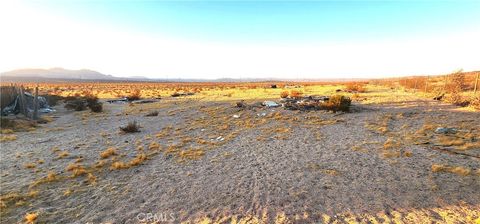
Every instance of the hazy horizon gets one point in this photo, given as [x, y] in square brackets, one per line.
[238, 40]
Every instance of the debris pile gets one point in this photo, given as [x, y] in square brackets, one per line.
[443, 130]
[314, 102]
[14, 106]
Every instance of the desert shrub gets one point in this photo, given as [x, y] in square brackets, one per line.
[475, 102]
[152, 114]
[337, 103]
[284, 94]
[136, 95]
[457, 82]
[76, 104]
[355, 87]
[296, 94]
[16, 124]
[52, 100]
[93, 104]
[6, 123]
[97, 108]
[91, 99]
[131, 127]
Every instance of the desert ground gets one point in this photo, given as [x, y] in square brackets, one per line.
[202, 159]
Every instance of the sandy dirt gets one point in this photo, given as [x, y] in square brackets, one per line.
[280, 166]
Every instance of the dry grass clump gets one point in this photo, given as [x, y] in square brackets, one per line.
[192, 154]
[284, 94]
[31, 217]
[108, 152]
[63, 154]
[469, 145]
[51, 176]
[152, 114]
[475, 102]
[6, 138]
[8, 125]
[131, 127]
[390, 144]
[450, 141]
[138, 160]
[92, 179]
[6, 131]
[450, 169]
[118, 165]
[76, 169]
[355, 87]
[337, 103]
[296, 94]
[30, 165]
[154, 146]
[391, 154]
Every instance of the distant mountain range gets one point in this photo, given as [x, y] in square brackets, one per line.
[86, 75]
[60, 73]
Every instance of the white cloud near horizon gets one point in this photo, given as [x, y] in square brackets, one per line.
[32, 38]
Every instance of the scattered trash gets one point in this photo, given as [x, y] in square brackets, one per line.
[202, 129]
[263, 114]
[236, 116]
[121, 100]
[182, 94]
[14, 106]
[144, 101]
[443, 130]
[220, 138]
[270, 104]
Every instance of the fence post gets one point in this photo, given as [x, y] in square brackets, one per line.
[476, 84]
[426, 84]
[35, 105]
[445, 83]
[415, 87]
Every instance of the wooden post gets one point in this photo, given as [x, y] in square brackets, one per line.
[18, 90]
[426, 84]
[445, 83]
[35, 104]
[476, 84]
[415, 87]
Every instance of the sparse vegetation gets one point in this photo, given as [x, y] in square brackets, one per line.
[152, 114]
[356, 87]
[131, 127]
[337, 103]
[296, 94]
[135, 95]
[201, 124]
[108, 152]
[31, 217]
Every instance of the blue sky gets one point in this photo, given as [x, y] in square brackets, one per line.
[277, 20]
[222, 31]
